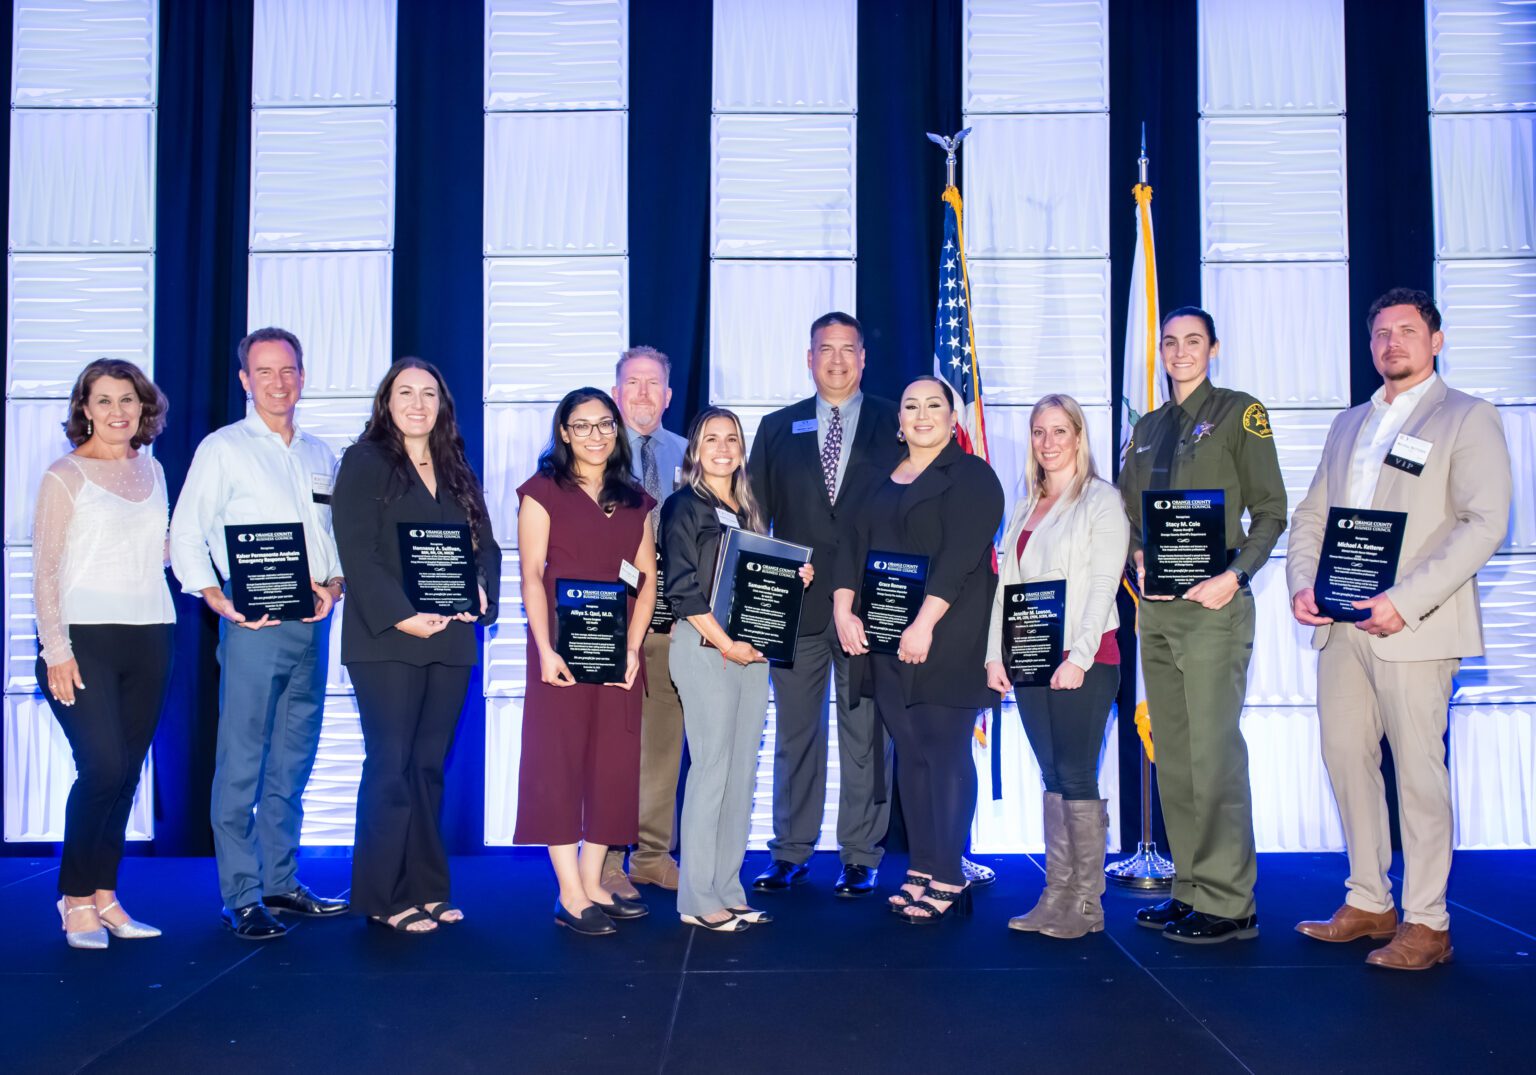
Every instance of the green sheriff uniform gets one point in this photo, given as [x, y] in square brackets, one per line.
[1195, 661]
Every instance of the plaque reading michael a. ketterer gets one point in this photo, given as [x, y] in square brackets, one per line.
[1358, 560]
[269, 571]
[438, 565]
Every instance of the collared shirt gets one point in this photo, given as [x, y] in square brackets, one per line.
[1382, 425]
[849, 411]
[669, 449]
[244, 475]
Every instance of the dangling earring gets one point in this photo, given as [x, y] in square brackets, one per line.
[954, 432]
[901, 438]
[90, 428]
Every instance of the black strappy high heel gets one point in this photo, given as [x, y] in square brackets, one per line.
[923, 911]
[899, 899]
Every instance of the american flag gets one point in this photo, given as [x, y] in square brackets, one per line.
[954, 354]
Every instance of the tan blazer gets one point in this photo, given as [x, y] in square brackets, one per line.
[1458, 514]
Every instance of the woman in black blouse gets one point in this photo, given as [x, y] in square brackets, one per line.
[945, 504]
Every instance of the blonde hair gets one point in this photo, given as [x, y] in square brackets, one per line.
[1085, 471]
[693, 474]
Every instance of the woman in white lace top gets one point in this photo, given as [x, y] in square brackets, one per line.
[104, 623]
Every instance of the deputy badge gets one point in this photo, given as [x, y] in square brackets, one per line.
[1256, 421]
[1203, 430]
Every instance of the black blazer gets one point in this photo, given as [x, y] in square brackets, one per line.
[949, 514]
[367, 503]
[785, 468]
[690, 541]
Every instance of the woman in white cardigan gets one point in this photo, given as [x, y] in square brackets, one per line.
[1069, 524]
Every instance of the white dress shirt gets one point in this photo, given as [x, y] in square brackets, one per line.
[1380, 429]
[244, 475]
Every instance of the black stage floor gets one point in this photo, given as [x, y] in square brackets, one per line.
[831, 986]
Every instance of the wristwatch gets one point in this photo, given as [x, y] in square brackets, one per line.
[1242, 576]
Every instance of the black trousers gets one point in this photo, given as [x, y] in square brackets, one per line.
[1066, 730]
[934, 771]
[409, 714]
[125, 668]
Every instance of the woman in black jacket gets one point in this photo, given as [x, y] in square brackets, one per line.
[943, 504]
[410, 668]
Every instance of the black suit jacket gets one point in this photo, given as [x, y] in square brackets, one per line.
[949, 514]
[367, 504]
[785, 469]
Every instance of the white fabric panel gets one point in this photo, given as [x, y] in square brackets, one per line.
[1493, 775]
[1484, 172]
[1042, 326]
[503, 757]
[1013, 825]
[323, 178]
[759, 325]
[338, 305]
[1037, 186]
[96, 54]
[1036, 56]
[761, 830]
[785, 56]
[1506, 672]
[504, 667]
[515, 434]
[1299, 438]
[1284, 330]
[20, 621]
[1520, 432]
[1273, 188]
[1283, 670]
[39, 770]
[752, 417]
[556, 183]
[336, 420]
[556, 54]
[1489, 310]
[552, 324]
[337, 681]
[33, 440]
[1293, 805]
[67, 309]
[783, 186]
[330, 797]
[339, 52]
[1008, 445]
[1279, 56]
[82, 179]
[1480, 56]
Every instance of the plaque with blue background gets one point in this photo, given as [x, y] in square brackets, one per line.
[1358, 560]
[592, 626]
[1034, 631]
[894, 584]
[269, 571]
[1183, 538]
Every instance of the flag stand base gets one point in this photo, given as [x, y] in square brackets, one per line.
[1146, 869]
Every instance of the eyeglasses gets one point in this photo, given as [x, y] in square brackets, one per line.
[583, 429]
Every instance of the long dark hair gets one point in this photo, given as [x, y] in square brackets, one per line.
[152, 402]
[559, 462]
[444, 442]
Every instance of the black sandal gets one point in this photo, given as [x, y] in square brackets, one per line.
[924, 909]
[444, 907]
[403, 925]
[899, 900]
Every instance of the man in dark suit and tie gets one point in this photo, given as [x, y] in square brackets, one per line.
[799, 460]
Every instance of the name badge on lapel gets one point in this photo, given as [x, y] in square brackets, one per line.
[1408, 454]
[320, 488]
[805, 425]
[677, 478]
[727, 518]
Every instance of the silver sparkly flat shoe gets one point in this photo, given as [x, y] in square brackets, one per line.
[131, 930]
[85, 938]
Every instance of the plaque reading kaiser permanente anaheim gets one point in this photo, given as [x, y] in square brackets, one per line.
[269, 571]
[892, 594]
[1183, 538]
[757, 592]
[1034, 631]
[438, 563]
[591, 628]
[1358, 560]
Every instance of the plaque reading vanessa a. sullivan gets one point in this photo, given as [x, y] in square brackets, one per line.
[269, 571]
[1358, 560]
[1183, 538]
[757, 591]
[891, 596]
[438, 562]
[591, 629]
[1034, 631]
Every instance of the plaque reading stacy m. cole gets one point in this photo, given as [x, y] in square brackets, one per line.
[1183, 538]
[891, 596]
[438, 562]
[757, 592]
[591, 627]
[1358, 560]
[1034, 631]
[269, 571]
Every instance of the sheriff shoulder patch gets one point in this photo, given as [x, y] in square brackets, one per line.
[1256, 421]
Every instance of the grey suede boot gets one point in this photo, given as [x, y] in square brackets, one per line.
[1058, 869]
[1087, 826]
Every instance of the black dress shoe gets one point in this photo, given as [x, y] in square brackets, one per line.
[301, 901]
[590, 923]
[1160, 914]
[253, 923]
[1197, 927]
[622, 908]
[780, 875]
[855, 881]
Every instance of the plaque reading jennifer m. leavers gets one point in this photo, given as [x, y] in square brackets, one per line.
[269, 571]
[757, 592]
[591, 627]
[891, 596]
[1183, 538]
[1034, 631]
[1358, 560]
[438, 561]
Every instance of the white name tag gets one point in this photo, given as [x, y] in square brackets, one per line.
[805, 425]
[727, 518]
[629, 573]
[321, 484]
[677, 478]
[1411, 448]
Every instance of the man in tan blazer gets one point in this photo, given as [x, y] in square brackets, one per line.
[1438, 455]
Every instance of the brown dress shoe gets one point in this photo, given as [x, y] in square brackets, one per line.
[1350, 924]
[613, 878]
[662, 874]
[1415, 947]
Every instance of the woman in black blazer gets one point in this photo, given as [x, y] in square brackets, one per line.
[410, 668]
[945, 504]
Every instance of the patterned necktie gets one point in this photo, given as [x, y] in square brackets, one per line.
[830, 452]
[650, 479]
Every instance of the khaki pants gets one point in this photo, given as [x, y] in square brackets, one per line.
[661, 755]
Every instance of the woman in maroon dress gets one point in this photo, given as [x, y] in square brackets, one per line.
[582, 517]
